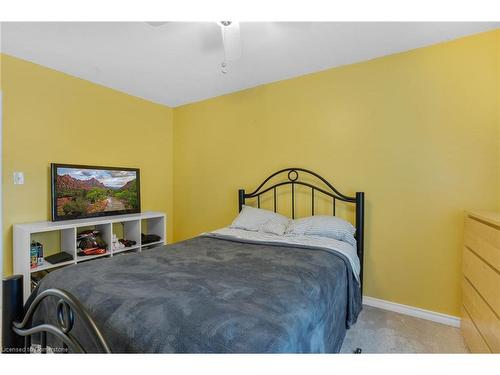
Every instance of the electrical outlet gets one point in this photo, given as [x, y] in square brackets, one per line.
[18, 178]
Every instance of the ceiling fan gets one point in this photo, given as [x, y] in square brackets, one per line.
[231, 41]
[230, 31]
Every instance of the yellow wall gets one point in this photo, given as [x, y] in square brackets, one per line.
[52, 117]
[498, 107]
[417, 131]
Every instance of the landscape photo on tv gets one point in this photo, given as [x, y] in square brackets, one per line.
[87, 191]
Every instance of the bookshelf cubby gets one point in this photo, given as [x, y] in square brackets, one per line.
[128, 230]
[62, 236]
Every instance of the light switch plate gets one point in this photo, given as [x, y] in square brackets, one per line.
[18, 178]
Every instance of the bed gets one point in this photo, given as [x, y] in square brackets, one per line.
[225, 291]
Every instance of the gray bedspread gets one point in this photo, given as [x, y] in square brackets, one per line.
[214, 295]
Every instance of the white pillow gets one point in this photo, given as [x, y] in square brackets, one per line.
[256, 219]
[324, 226]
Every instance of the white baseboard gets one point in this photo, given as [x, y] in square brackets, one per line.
[416, 312]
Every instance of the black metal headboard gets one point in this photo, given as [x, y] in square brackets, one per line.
[294, 177]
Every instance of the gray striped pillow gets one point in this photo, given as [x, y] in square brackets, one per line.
[324, 226]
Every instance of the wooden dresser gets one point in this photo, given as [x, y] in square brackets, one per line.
[481, 282]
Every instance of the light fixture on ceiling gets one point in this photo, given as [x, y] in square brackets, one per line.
[230, 31]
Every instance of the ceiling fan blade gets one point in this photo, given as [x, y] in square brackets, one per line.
[231, 40]
[156, 24]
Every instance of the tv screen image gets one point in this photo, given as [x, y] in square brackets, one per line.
[90, 191]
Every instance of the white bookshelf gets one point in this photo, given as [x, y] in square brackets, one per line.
[132, 227]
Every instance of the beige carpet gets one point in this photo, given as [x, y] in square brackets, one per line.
[380, 331]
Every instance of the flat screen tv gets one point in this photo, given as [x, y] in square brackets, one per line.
[83, 191]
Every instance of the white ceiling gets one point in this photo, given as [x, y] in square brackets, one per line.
[179, 62]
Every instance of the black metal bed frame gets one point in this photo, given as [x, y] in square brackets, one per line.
[18, 328]
[17, 320]
[292, 178]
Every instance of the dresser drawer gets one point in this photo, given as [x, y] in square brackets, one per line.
[484, 240]
[484, 318]
[472, 337]
[484, 278]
